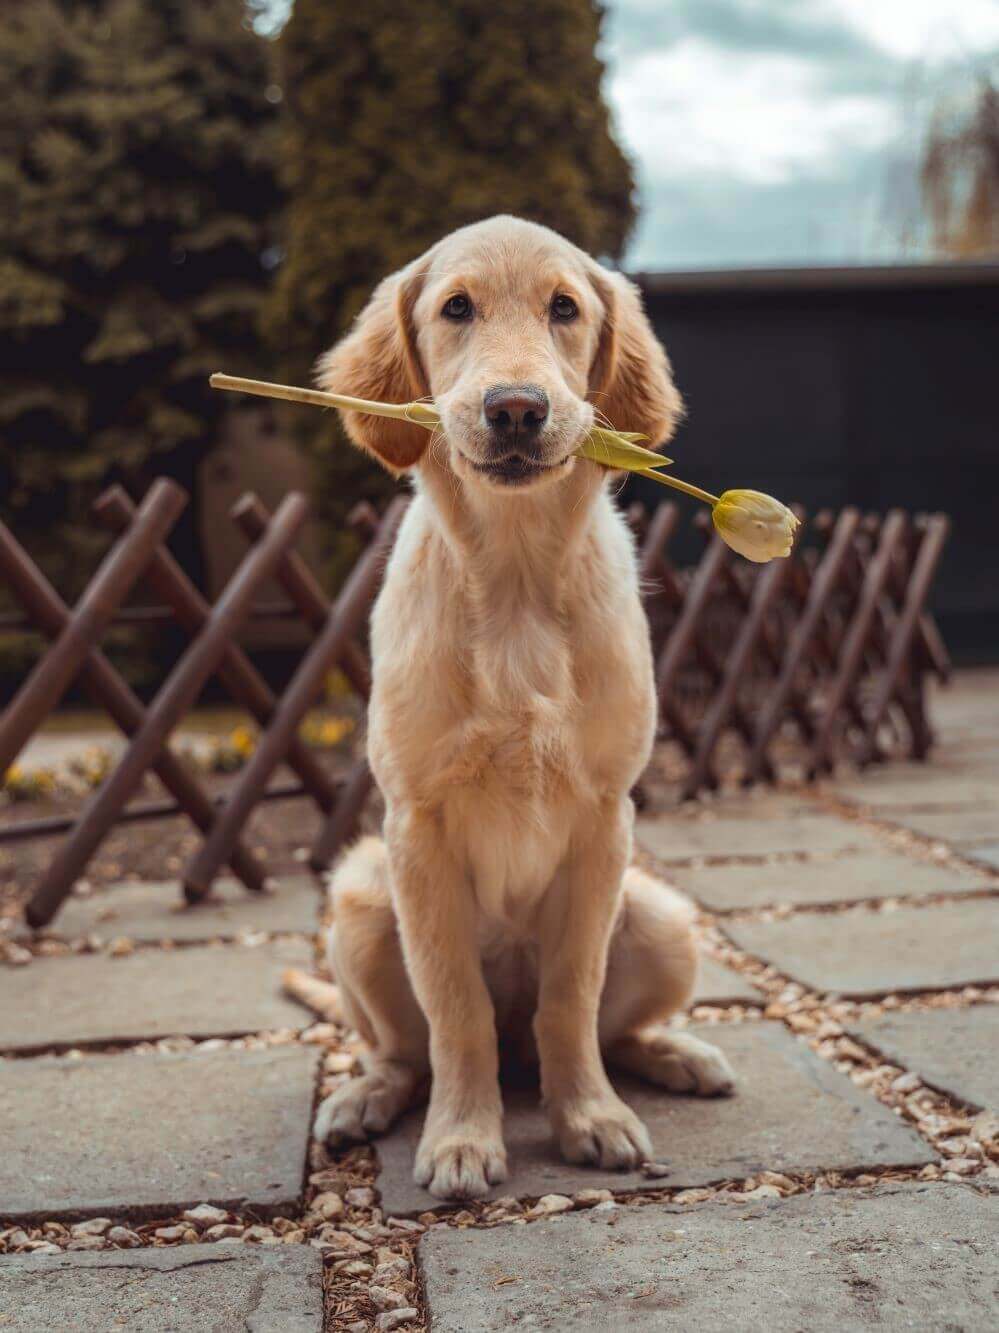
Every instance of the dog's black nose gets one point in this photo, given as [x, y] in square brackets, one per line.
[515, 409]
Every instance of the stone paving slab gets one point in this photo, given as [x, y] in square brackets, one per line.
[898, 1257]
[195, 992]
[717, 984]
[953, 1050]
[146, 1135]
[914, 787]
[849, 878]
[792, 1112]
[158, 912]
[988, 854]
[962, 828]
[189, 1289]
[871, 953]
[679, 838]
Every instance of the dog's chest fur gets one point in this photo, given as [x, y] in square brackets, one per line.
[509, 699]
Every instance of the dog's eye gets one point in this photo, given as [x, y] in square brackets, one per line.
[564, 307]
[457, 307]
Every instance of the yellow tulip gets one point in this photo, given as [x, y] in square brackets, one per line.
[756, 525]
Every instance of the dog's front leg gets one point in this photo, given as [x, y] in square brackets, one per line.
[461, 1152]
[590, 1120]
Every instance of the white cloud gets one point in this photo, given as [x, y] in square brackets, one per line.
[772, 131]
[925, 30]
[759, 117]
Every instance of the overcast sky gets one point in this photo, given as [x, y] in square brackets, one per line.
[783, 131]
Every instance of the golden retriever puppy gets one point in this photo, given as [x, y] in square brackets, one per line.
[512, 711]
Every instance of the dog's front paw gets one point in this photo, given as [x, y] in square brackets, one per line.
[460, 1164]
[603, 1133]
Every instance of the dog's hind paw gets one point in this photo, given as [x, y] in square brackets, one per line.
[460, 1166]
[365, 1106]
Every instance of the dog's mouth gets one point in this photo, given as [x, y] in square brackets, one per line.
[516, 470]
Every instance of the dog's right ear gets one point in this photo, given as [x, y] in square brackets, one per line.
[378, 359]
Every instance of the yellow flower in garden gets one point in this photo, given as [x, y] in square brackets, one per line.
[756, 525]
[243, 741]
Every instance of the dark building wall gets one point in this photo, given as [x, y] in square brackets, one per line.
[870, 387]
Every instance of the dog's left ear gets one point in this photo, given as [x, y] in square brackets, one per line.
[378, 360]
[631, 380]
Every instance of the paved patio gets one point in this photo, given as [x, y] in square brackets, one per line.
[157, 1093]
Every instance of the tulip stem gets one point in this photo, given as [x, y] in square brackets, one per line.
[678, 485]
[264, 389]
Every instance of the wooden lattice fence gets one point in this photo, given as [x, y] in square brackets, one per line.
[833, 643]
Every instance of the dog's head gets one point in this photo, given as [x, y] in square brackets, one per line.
[520, 339]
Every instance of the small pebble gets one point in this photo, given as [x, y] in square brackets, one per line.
[590, 1198]
[258, 1233]
[94, 1226]
[170, 1233]
[390, 1270]
[341, 1242]
[391, 1319]
[328, 1205]
[123, 1236]
[205, 1215]
[362, 1196]
[353, 1268]
[224, 1231]
[384, 1298]
[550, 1203]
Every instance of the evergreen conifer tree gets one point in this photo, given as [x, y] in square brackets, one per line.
[406, 118]
[137, 170]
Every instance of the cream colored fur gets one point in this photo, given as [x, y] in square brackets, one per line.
[512, 711]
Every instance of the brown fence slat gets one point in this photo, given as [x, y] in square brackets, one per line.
[899, 655]
[43, 606]
[240, 677]
[858, 635]
[174, 699]
[118, 573]
[342, 624]
[768, 585]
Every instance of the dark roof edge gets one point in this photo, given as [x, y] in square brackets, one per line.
[860, 276]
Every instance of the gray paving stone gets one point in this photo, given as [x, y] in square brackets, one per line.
[196, 992]
[158, 911]
[717, 984]
[953, 1050]
[905, 1256]
[963, 828]
[674, 838]
[189, 1289]
[148, 1134]
[913, 787]
[988, 854]
[792, 1112]
[871, 953]
[848, 878]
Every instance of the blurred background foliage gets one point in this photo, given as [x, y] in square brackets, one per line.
[403, 119]
[182, 193]
[138, 151]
